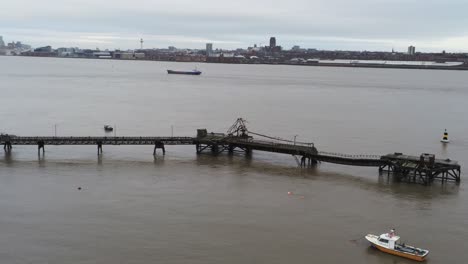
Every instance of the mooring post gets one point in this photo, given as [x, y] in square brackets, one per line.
[7, 146]
[160, 145]
[214, 149]
[40, 144]
[99, 147]
[303, 161]
[231, 149]
[248, 151]
[315, 162]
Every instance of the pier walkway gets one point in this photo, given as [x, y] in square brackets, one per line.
[424, 169]
[95, 140]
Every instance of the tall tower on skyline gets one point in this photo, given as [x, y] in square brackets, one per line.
[2, 44]
[141, 43]
[272, 42]
[209, 48]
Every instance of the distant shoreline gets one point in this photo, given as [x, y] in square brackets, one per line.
[387, 66]
[343, 65]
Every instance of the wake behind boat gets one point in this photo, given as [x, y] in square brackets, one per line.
[193, 72]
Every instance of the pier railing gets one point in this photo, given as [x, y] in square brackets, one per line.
[349, 156]
[94, 140]
[304, 147]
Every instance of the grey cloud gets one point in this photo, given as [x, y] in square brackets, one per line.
[246, 22]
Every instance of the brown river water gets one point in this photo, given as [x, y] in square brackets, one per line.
[188, 208]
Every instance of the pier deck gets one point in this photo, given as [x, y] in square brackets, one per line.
[103, 140]
[425, 168]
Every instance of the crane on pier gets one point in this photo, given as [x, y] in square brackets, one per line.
[239, 129]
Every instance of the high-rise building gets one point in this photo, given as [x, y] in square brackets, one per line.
[2, 44]
[272, 42]
[411, 50]
[209, 48]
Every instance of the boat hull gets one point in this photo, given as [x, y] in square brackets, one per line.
[184, 72]
[373, 239]
[400, 254]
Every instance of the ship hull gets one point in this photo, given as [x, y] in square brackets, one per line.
[400, 254]
[408, 252]
[184, 72]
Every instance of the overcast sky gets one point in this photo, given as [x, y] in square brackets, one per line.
[430, 25]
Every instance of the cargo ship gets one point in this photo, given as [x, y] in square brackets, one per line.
[193, 72]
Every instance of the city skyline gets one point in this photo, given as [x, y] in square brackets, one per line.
[333, 25]
[208, 46]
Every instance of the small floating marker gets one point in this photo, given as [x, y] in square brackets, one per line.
[79, 188]
[289, 193]
[445, 137]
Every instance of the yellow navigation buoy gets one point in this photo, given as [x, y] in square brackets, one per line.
[445, 137]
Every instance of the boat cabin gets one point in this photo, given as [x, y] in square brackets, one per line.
[388, 240]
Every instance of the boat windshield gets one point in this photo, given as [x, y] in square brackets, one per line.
[383, 240]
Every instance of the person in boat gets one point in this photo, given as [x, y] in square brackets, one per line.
[392, 232]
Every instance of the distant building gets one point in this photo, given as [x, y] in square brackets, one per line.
[24, 46]
[66, 52]
[411, 50]
[2, 43]
[11, 45]
[128, 55]
[209, 49]
[44, 49]
[273, 47]
[190, 58]
[272, 42]
[102, 55]
[172, 48]
[296, 48]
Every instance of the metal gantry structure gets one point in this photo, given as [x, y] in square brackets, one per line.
[423, 169]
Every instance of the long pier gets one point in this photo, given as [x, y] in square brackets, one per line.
[423, 169]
